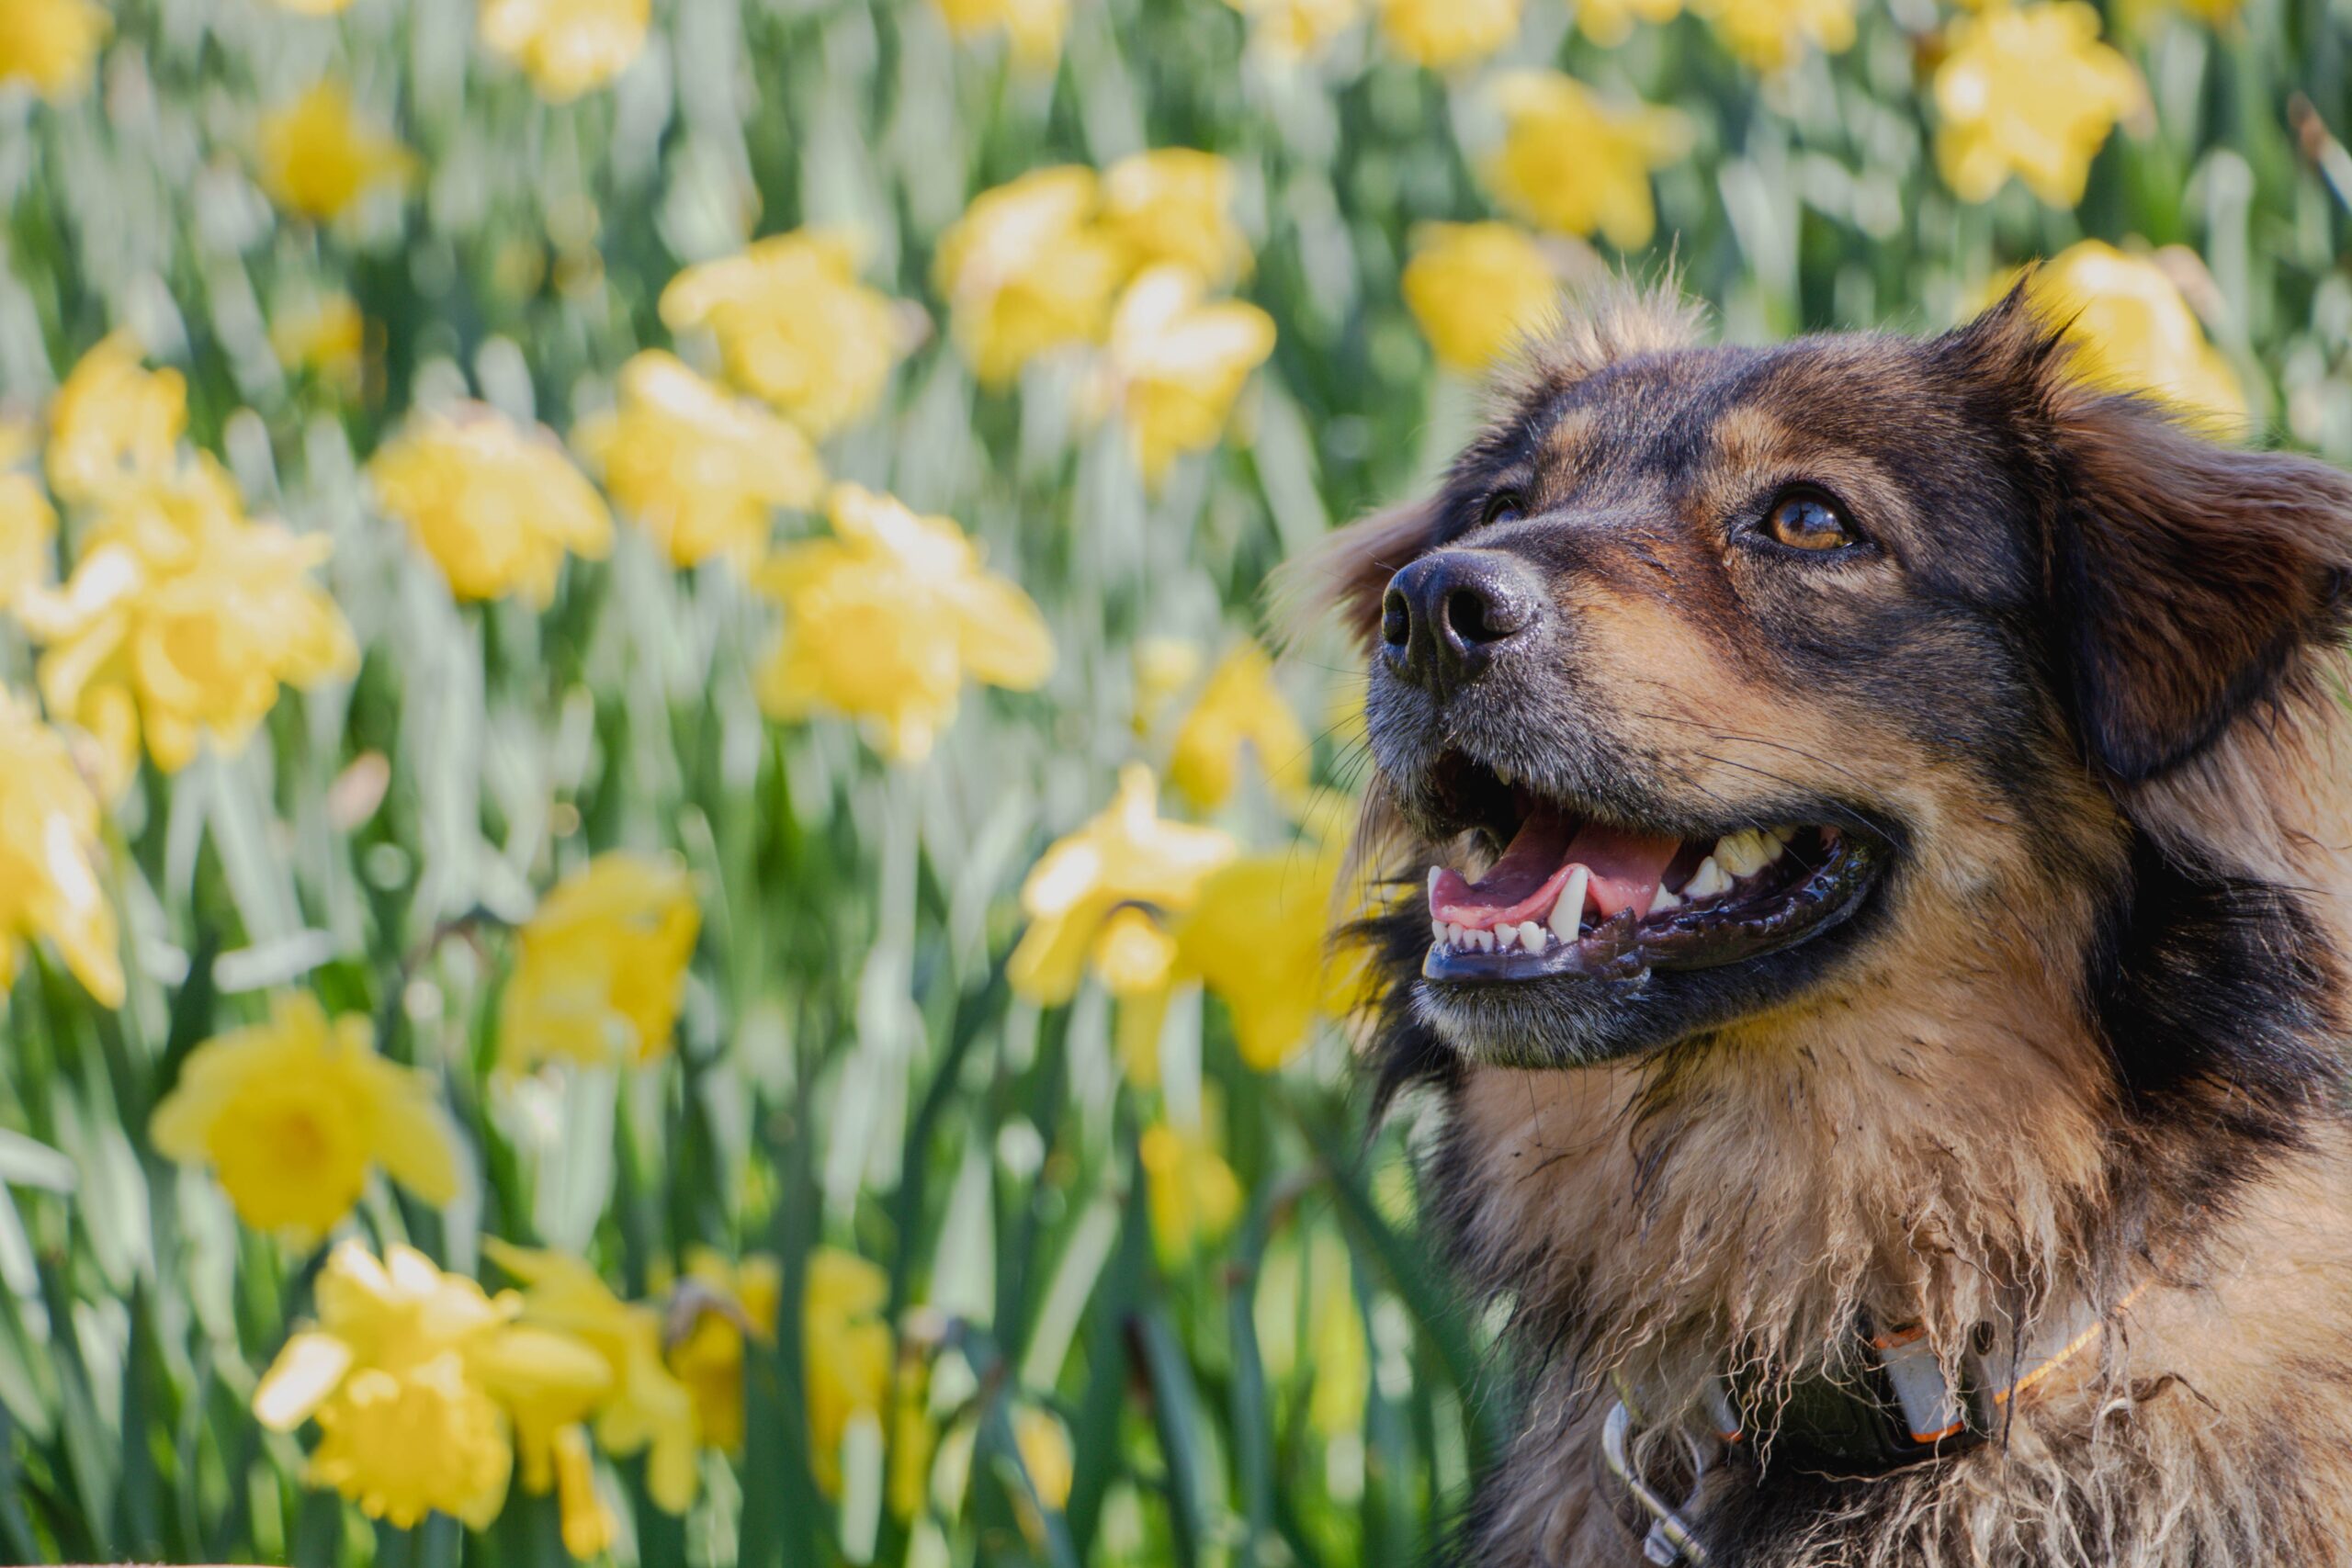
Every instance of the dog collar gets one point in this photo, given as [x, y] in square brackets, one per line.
[1889, 1404]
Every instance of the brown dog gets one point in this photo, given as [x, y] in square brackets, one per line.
[1875, 816]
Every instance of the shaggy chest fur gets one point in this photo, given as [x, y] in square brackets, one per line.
[2211, 1423]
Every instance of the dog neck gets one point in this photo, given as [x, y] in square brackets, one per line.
[1920, 1154]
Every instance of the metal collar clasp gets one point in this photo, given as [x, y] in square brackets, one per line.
[1671, 1540]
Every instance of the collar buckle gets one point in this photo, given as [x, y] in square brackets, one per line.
[1671, 1539]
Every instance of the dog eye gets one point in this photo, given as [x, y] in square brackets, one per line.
[1503, 506]
[1808, 520]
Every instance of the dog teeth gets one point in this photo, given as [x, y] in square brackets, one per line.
[1524, 936]
[1707, 882]
[1750, 849]
[1746, 853]
[1568, 912]
[1733, 857]
[1738, 854]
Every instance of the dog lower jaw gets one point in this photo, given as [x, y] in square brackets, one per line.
[1538, 1026]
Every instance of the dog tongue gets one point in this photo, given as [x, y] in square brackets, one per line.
[1527, 881]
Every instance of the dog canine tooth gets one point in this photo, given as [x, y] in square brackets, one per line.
[1567, 910]
[1531, 936]
[1435, 872]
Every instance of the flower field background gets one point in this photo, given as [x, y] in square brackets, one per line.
[659, 898]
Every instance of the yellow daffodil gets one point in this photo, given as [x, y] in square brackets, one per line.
[1027, 270]
[886, 620]
[2029, 90]
[1044, 1444]
[1127, 856]
[699, 470]
[1033, 27]
[846, 1349]
[1240, 707]
[114, 421]
[1177, 364]
[721, 1305]
[392, 1372]
[182, 619]
[1193, 1195]
[50, 857]
[496, 507]
[587, 1525]
[600, 967]
[1574, 164]
[1134, 953]
[1476, 289]
[1767, 35]
[1257, 937]
[1175, 205]
[318, 157]
[645, 1406]
[794, 325]
[324, 335]
[1165, 668]
[28, 536]
[292, 1113]
[550, 1383]
[2131, 330]
[846, 1355]
[567, 47]
[1293, 30]
[51, 45]
[1442, 33]
[1610, 22]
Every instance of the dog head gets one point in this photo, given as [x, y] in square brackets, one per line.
[1714, 681]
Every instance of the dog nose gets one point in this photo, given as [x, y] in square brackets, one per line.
[1444, 615]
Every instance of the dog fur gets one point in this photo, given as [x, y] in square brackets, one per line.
[2087, 1044]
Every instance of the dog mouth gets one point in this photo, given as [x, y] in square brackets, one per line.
[1573, 894]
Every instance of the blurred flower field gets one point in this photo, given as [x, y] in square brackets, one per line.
[662, 897]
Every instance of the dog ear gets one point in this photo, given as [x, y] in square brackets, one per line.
[2186, 577]
[1347, 574]
[2189, 575]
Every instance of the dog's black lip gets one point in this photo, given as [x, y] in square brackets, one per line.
[1622, 950]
